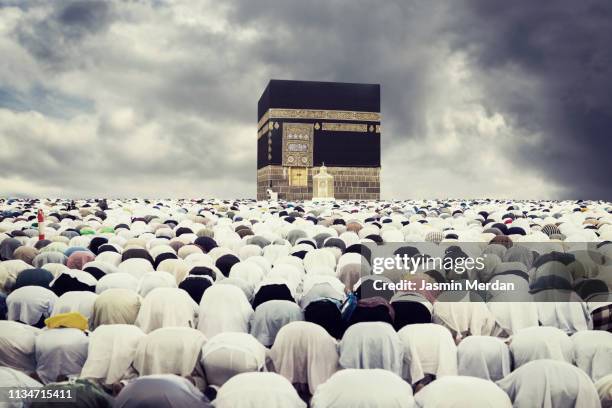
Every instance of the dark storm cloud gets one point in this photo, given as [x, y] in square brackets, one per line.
[563, 49]
[55, 38]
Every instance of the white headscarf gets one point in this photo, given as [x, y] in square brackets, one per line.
[269, 317]
[570, 316]
[464, 318]
[513, 316]
[17, 345]
[111, 351]
[371, 345]
[462, 391]
[169, 350]
[231, 353]
[116, 306]
[117, 280]
[484, 357]
[593, 352]
[76, 301]
[152, 280]
[549, 383]
[224, 308]
[304, 353]
[29, 303]
[366, 388]
[604, 389]
[258, 390]
[428, 349]
[60, 352]
[534, 343]
[166, 307]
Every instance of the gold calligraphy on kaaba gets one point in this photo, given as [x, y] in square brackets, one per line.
[317, 114]
[297, 144]
[344, 127]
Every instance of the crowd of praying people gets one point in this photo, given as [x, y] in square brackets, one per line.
[136, 303]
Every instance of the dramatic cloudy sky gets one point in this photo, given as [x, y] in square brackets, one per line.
[158, 98]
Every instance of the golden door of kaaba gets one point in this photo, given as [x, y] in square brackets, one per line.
[298, 176]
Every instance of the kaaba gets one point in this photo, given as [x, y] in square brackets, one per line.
[303, 125]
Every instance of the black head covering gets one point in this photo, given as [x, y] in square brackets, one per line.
[326, 314]
[66, 283]
[374, 309]
[162, 257]
[195, 285]
[206, 243]
[225, 263]
[33, 277]
[272, 292]
[136, 253]
[407, 312]
[95, 243]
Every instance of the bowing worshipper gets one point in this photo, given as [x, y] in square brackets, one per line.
[229, 354]
[224, 308]
[33, 277]
[305, 354]
[535, 343]
[86, 395]
[77, 301]
[17, 342]
[593, 352]
[410, 308]
[429, 353]
[8, 247]
[136, 267]
[349, 269]
[258, 390]
[98, 269]
[372, 309]
[247, 271]
[73, 280]
[166, 307]
[462, 391]
[152, 280]
[196, 285]
[171, 350]
[604, 389]
[9, 270]
[570, 314]
[326, 313]
[60, 353]
[367, 388]
[318, 287]
[484, 357]
[30, 305]
[465, 318]
[26, 254]
[77, 259]
[600, 307]
[161, 391]
[111, 351]
[270, 317]
[116, 281]
[371, 345]
[272, 289]
[550, 383]
[12, 378]
[116, 306]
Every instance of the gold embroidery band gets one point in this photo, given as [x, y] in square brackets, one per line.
[344, 127]
[262, 131]
[317, 114]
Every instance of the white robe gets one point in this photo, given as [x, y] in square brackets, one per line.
[270, 317]
[462, 391]
[169, 350]
[372, 345]
[258, 390]
[224, 308]
[534, 343]
[29, 303]
[365, 388]
[550, 384]
[60, 352]
[76, 301]
[428, 349]
[483, 357]
[167, 307]
[304, 353]
[17, 345]
[593, 352]
[111, 351]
